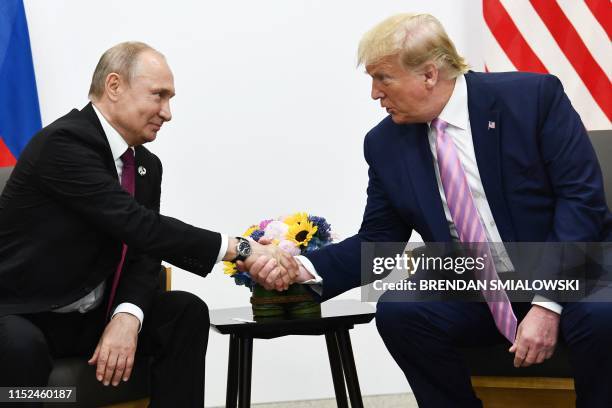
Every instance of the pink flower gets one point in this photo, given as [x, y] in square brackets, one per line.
[264, 224]
[289, 247]
[276, 230]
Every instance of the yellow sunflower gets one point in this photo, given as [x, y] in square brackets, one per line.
[248, 232]
[229, 268]
[297, 218]
[301, 233]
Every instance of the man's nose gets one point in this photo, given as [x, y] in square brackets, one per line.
[165, 112]
[376, 93]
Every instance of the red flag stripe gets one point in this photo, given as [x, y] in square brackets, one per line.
[510, 38]
[6, 157]
[602, 11]
[576, 52]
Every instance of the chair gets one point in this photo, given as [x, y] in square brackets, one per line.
[550, 384]
[337, 318]
[5, 172]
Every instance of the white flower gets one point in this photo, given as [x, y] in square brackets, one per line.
[276, 230]
[289, 247]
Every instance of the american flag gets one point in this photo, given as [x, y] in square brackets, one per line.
[567, 38]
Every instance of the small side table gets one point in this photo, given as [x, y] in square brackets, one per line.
[337, 318]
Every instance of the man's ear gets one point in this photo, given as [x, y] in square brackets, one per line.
[113, 86]
[431, 74]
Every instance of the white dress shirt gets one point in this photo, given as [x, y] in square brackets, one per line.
[456, 114]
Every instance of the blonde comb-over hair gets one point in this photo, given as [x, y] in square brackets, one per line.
[416, 39]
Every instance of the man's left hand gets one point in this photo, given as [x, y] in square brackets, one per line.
[114, 355]
[536, 337]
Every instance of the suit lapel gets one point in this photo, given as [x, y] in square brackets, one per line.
[141, 175]
[419, 166]
[485, 123]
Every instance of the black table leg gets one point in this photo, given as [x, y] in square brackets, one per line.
[350, 372]
[231, 395]
[336, 369]
[246, 364]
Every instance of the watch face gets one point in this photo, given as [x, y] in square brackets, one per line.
[244, 248]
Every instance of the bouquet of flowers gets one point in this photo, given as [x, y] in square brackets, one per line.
[296, 234]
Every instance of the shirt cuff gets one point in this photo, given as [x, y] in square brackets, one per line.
[310, 268]
[316, 284]
[546, 303]
[223, 248]
[131, 309]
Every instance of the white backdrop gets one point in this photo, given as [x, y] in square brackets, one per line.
[269, 118]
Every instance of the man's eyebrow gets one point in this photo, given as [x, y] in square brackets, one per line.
[166, 91]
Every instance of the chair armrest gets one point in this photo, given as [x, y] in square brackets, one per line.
[165, 278]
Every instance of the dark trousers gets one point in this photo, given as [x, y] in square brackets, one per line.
[424, 337]
[174, 334]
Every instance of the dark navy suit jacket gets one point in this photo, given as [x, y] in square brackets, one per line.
[537, 165]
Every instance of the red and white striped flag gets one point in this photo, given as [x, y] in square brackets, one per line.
[567, 38]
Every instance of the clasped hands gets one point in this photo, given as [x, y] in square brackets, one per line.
[271, 267]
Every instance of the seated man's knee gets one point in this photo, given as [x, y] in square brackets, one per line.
[194, 309]
[587, 325]
[24, 352]
[394, 317]
[598, 317]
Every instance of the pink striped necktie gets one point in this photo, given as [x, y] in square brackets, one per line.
[469, 228]
[128, 180]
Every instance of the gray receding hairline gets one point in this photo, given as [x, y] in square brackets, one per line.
[121, 59]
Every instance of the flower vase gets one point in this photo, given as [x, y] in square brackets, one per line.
[296, 301]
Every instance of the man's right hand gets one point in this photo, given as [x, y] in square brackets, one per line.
[270, 266]
[266, 270]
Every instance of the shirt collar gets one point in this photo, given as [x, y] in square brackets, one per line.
[117, 144]
[456, 110]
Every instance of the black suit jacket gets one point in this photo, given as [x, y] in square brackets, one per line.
[64, 217]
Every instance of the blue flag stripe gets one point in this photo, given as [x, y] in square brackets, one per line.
[19, 108]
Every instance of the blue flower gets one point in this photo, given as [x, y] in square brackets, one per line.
[314, 244]
[243, 278]
[257, 234]
[323, 228]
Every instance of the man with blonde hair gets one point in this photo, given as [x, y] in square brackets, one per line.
[81, 240]
[469, 158]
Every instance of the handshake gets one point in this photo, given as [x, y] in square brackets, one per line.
[269, 265]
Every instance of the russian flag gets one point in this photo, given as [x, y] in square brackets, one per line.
[19, 110]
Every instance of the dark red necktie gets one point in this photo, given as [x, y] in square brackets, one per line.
[128, 179]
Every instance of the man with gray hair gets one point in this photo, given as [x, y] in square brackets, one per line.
[81, 240]
[472, 158]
